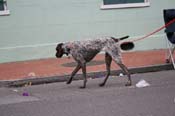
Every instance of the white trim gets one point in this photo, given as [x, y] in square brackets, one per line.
[129, 5]
[4, 12]
[29, 46]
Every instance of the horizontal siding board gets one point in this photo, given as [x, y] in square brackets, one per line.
[43, 23]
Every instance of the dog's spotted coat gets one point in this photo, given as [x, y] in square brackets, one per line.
[85, 51]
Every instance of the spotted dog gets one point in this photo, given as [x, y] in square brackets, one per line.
[85, 51]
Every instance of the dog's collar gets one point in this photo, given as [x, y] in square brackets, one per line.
[67, 51]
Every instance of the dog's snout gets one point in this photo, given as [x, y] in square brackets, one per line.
[56, 55]
[59, 55]
[59, 51]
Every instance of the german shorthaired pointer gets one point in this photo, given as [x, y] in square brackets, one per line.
[85, 51]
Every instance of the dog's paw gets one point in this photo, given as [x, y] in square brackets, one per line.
[101, 84]
[68, 82]
[82, 87]
[128, 83]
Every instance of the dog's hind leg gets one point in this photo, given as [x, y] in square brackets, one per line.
[83, 65]
[108, 60]
[73, 73]
[118, 61]
[125, 69]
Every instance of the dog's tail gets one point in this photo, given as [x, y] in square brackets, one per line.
[122, 38]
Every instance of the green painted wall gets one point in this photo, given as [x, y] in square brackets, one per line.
[34, 27]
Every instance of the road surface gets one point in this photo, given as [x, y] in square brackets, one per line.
[59, 99]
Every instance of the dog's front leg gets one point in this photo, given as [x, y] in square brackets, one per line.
[108, 60]
[73, 73]
[83, 65]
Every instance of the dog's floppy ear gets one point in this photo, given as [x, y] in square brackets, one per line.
[59, 46]
[59, 50]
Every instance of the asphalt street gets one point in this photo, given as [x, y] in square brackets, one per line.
[59, 99]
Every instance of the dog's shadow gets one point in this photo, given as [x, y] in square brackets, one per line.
[93, 84]
[91, 63]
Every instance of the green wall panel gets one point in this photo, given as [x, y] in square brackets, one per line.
[34, 27]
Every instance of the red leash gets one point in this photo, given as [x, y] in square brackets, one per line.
[157, 30]
[130, 44]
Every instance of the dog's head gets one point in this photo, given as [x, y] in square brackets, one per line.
[59, 50]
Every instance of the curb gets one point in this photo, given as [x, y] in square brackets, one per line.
[63, 78]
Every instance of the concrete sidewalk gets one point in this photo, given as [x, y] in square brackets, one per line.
[52, 69]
